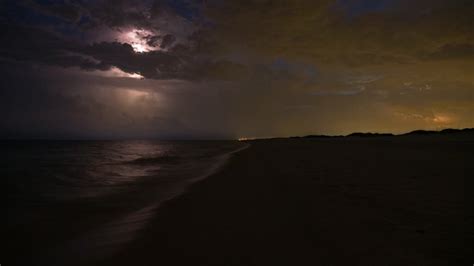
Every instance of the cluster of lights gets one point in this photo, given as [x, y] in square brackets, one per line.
[245, 138]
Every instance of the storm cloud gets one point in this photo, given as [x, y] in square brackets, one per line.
[190, 68]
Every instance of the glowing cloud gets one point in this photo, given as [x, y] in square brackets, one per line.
[116, 72]
[137, 38]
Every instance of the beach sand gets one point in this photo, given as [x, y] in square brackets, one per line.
[342, 201]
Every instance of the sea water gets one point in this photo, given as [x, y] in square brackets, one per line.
[85, 199]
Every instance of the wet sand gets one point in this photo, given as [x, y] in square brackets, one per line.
[350, 201]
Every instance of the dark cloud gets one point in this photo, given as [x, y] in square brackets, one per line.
[233, 68]
[66, 10]
[39, 46]
[153, 40]
[49, 45]
[154, 64]
[167, 40]
[118, 13]
[36, 45]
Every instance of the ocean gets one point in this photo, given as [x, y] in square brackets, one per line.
[87, 198]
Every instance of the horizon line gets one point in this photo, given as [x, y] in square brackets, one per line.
[353, 134]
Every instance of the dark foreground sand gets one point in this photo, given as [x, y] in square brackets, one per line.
[392, 201]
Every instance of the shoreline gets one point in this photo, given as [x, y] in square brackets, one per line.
[90, 230]
[309, 202]
[304, 201]
[117, 233]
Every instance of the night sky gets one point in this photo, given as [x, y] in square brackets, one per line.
[228, 69]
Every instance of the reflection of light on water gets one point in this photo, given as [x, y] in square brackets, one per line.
[121, 191]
